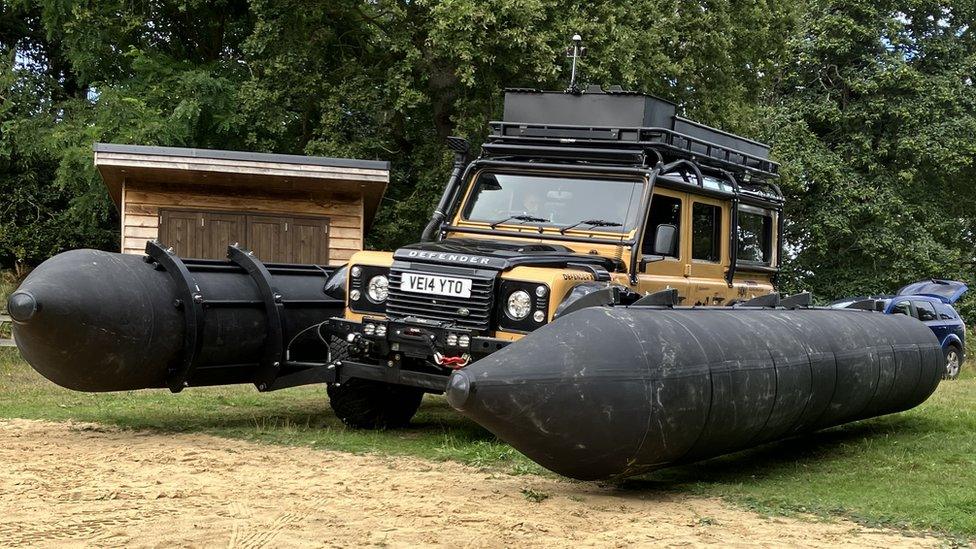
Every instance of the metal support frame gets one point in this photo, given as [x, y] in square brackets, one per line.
[341, 371]
[274, 345]
[797, 301]
[672, 166]
[780, 225]
[733, 229]
[642, 222]
[734, 266]
[348, 369]
[191, 300]
[663, 298]
[306, 373]
[766, 301]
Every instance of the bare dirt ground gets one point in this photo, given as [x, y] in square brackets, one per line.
[85, 485]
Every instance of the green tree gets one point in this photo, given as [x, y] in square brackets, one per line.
[149, 73]
[875, 124]
[391, 79]
[869, 106]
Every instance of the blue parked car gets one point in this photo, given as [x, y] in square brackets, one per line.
[930, 301]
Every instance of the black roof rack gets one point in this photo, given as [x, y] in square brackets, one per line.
[605, 126]
[599, 154]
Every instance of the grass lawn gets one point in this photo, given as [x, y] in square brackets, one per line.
[915, 470]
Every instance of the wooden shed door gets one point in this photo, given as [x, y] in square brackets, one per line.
[183, 231]
[266, 238]
[274, 239]
[221, 230]
[308, 240]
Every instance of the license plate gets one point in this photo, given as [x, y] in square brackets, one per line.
[435, 285]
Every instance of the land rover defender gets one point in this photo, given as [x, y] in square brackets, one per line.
[578, 199]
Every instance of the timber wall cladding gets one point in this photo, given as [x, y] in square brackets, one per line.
[143, 206]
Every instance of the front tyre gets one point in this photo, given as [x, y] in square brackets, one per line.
[953, 362]
[367, 404]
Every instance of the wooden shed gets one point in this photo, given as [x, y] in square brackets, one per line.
[286, 208]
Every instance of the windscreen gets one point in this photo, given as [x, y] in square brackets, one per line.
[555, 200]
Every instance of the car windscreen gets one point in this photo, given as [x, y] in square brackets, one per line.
[948, 290]
[556, 200]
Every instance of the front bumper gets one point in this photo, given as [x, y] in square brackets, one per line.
[410, 351]
[411, 337]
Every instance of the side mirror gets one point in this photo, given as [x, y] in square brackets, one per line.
[665, 237]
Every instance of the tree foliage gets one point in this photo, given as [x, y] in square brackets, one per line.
[869, 105]
[875, 123]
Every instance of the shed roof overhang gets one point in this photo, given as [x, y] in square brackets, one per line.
[234, 170]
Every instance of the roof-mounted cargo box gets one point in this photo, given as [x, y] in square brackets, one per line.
[594, 107]
[624, 120]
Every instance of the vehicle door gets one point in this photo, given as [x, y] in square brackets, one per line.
[903, 307]
[926, 313]
[708, 255]
[953, 322]
[658, 271]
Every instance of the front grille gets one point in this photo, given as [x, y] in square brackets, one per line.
[402, 304]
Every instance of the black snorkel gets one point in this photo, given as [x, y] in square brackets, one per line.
[460, 146]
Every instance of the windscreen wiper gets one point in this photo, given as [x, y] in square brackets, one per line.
[591, 223]
[520, 217]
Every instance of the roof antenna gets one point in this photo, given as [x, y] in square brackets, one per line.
[575, 51]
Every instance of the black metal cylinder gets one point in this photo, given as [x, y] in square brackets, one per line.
[91, 320]
[619, 391]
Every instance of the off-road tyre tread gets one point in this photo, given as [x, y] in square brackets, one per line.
[367, 404]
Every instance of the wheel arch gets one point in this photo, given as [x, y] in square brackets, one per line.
[953, 340]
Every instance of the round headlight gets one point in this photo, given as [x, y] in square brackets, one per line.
[519, 305]
[378, 289]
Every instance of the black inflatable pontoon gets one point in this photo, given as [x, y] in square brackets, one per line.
[620, 391]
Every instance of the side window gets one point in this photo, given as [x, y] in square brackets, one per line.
[755, 235]
[902, 308]
[665, 210]
[706, 227]
[926, 311]
[947, 313]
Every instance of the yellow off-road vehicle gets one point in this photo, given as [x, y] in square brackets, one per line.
[577, 199]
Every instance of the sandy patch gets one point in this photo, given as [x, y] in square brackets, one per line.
[84, 485]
